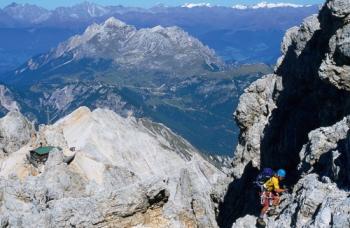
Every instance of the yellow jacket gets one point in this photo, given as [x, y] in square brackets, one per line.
[272, 184]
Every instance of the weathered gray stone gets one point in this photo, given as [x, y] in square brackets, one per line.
[245, 222]
[252, 114]
[334, 74]
[324, 149]
[7, 101]
[343, 42]
[312, 204]
[296, 38]
[15, 131]
[335, 67]
[121, 177]
[305, 130]
[339, 8]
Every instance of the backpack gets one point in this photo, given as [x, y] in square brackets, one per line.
[263, 176]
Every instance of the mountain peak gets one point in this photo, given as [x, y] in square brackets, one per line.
[27, 12]
[155, 48]
[134, 164]
[193, 5]
[167, 50]
[113, 22]
[267, 5]
[157, 28]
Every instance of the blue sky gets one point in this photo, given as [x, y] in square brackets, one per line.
[148, 3]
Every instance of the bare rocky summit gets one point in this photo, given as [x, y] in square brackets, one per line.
[298, 119]
[126, 173]
[164, 49]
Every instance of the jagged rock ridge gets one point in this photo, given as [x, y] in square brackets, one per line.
[126, 173]
[297, 119]
[7, 100]
[122, 47]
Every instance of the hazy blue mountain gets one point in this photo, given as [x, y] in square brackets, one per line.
[160, 73]
[240, 36]
[194, 93]
[115, 47]
[26, 14]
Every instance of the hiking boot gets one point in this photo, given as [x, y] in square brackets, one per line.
[272, 212]
[260, 223]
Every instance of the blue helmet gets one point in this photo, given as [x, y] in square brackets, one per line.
[281, 173]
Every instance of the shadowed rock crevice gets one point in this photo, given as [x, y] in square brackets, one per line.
[236, 205]
[340, 158]
[306, 102]
[298, 119]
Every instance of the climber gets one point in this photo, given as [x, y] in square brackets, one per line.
[270, 195]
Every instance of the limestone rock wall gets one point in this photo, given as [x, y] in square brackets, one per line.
[299, 120]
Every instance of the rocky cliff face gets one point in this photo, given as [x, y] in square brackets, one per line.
[126, 173]
[125, 48]
[297, 119]
[7, 101]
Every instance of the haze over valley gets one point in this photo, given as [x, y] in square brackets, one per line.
[182, 66]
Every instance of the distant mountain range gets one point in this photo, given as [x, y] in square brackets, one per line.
[266, 5]
[261, 5]
[239, 36]
[26, 15]
[182, 66]
[161, 73]
[169, 50]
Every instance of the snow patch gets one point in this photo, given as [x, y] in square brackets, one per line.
[193, 5]
[266, 5]
[240, 7]
[113, 22]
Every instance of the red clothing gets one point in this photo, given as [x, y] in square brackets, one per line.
[267, 198]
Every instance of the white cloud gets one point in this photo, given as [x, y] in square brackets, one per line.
[192, 5]
[266, 5]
